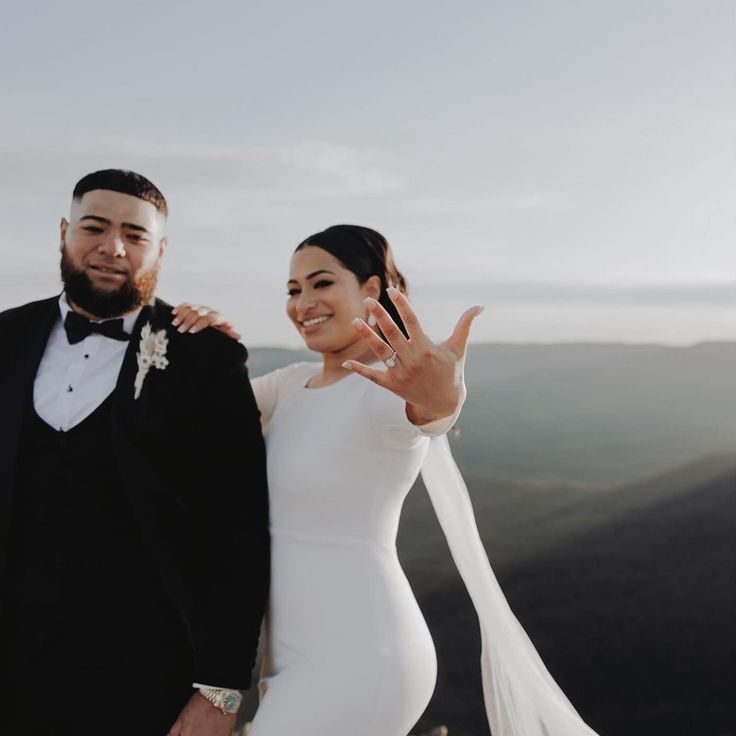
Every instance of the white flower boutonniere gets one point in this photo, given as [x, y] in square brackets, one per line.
[151, 352]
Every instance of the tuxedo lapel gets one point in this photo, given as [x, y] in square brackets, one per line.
[125, 387]
[125, 401]
[136, 424]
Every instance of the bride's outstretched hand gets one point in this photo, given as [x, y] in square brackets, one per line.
[194, 318]
[427, 375]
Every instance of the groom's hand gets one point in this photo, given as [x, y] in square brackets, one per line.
[200, 718]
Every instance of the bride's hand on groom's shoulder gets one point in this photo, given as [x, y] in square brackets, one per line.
[427, 375]
[196, 317]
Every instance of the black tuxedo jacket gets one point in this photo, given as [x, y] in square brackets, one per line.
[190, 453]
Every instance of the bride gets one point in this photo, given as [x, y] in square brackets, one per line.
[347, 650]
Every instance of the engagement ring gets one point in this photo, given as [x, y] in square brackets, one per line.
[391, 362]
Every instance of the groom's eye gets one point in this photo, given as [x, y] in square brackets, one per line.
[93, 229]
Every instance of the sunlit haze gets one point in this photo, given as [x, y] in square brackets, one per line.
[571, 165]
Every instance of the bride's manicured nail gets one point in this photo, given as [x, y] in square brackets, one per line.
[347, 364]
[175, 322]
[356, 322]
[392, 290]
[369, 301]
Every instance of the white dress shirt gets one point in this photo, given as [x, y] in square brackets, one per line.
[73, 380]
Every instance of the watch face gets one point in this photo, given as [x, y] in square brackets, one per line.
[231, 702]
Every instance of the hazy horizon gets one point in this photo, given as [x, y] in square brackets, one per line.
[570, 165]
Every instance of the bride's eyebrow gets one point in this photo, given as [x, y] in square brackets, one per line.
[311, 276]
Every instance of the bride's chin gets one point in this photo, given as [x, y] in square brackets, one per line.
[321, 344]
[312, 342]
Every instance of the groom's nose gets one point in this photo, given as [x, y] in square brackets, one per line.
[113, 244]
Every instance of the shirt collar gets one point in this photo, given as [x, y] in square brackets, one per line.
[128, 319]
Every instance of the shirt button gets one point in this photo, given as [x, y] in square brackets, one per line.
[86, 357]
[70, 389]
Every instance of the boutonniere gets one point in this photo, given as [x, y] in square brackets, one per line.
[151, 352]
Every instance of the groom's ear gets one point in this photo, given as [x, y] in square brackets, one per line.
[63, 227]
[162, 246]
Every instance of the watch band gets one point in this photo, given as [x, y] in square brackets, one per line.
[226, 701]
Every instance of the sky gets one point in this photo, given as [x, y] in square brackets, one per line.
[570, 164]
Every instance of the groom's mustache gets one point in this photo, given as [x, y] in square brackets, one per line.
[133, 292]
[110, 266]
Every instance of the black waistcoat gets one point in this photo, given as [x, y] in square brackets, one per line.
[83, 598]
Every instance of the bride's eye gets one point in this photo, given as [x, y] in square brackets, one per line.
[292, 292]
[322, 284]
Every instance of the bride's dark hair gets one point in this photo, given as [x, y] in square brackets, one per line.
[366, 253]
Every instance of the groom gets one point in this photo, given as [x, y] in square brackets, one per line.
[134, 544]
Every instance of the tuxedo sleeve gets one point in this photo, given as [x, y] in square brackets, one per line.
[231, 579]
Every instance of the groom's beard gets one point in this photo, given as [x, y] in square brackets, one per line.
[80, 290]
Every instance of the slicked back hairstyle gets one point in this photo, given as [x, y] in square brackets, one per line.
[125, 182]
[366, 253]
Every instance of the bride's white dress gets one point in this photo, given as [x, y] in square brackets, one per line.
[347, 650]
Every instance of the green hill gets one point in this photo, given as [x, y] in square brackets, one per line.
[628, 597]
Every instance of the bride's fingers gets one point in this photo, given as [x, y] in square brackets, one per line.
[186, 321]
[216, 320]
[230, 331]
[225, 327]
[195, 318]
[394, 336]
[205, 322]
[180, 312]
[203, 316]
[458, 341]
[183, 311]
[372, 374]
[407, 314]
[378, 346]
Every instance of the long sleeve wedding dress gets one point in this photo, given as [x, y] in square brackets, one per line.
[347, 650]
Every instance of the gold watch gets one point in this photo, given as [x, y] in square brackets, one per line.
[227, 701]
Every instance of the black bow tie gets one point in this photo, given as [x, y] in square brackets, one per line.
[78, 327]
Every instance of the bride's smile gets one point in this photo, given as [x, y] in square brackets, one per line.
[309, 325]
[324, 298]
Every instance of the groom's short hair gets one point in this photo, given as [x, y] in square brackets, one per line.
[125, 182]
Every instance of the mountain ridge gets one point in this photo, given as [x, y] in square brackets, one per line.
[633, 615]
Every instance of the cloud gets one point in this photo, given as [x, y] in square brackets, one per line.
[301, 170]
[561, 294]
[490, 204]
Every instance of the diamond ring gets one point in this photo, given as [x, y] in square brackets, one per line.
[391, 362]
